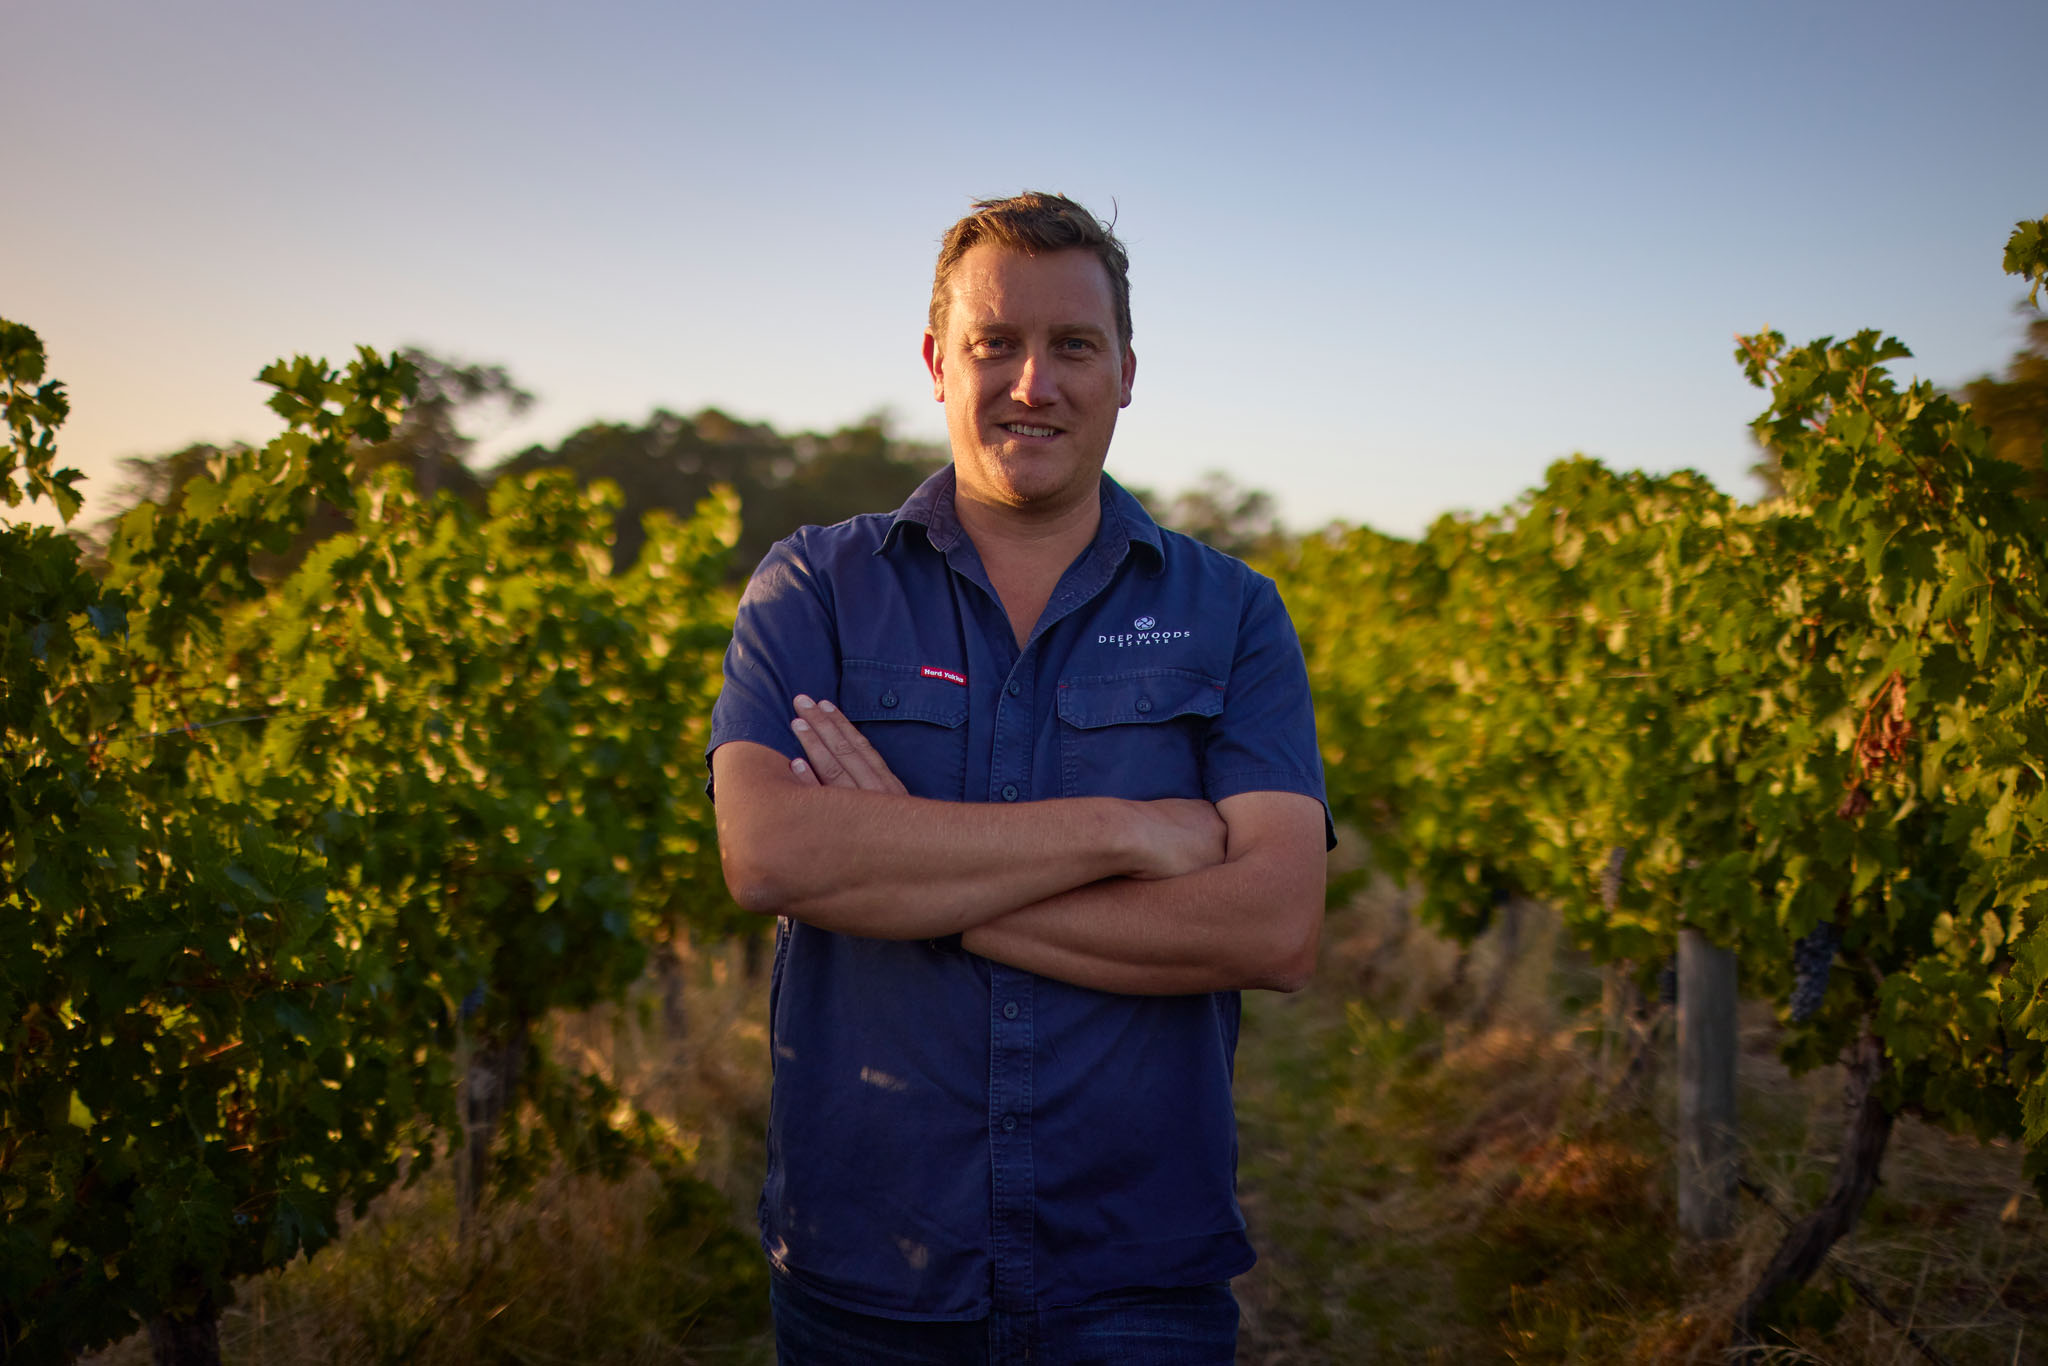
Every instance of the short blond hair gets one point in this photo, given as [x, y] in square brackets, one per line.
[1032, 222]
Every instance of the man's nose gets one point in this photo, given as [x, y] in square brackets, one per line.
[1034, 385]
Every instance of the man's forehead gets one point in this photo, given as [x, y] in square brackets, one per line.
[1071, 286]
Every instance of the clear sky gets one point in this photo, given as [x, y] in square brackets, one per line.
[1387, 260]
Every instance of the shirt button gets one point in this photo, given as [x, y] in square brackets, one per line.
[1009, 1123]
[888, 699]
[1014, 688]
[1144, 704]
[1009, 792]
[1009, 1010]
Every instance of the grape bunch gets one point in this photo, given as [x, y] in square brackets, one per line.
[1667, 982]
[1812, 957]
[1610, 877]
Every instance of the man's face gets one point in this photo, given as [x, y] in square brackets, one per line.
[1031, 373]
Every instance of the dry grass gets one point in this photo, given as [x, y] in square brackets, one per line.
[1431, 1187]
[659, 1269]
[1424, 1186]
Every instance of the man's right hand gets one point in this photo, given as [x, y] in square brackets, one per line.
[1177, 836]
[838, 754]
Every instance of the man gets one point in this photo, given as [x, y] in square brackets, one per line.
[1034, 786]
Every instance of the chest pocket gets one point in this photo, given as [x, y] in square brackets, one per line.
[1136, 735]
[917, 724]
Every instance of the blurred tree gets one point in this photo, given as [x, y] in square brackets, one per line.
[1766, 471]
[433, 439]
[783, 482]
[2014, 410]
[1223, 513]
[158, 479]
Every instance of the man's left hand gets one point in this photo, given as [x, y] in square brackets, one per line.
[836, 753]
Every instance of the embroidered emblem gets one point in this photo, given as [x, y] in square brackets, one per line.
[929, 672]
[1148, 633]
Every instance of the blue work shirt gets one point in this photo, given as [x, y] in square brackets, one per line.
[949, 1134]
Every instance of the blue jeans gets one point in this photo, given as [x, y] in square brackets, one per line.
[1194, 1326]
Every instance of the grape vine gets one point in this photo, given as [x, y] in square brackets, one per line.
[1816, 725]
[260, 840]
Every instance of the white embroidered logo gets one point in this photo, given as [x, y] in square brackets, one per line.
[1147, 633]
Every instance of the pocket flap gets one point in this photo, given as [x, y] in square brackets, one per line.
[1126, 699]
[870, 690]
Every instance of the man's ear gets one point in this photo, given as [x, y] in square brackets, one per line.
[1130, 373]
[934, 361]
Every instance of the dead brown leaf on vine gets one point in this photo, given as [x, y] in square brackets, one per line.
[1880, 740]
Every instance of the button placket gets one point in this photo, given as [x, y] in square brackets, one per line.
[1011, 1048]
[1013, 746]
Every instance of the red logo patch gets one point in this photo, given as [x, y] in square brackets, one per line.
[929, 672]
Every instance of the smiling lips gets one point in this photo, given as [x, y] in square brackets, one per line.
[1026, 429]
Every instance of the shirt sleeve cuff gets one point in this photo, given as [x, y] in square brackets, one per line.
[782, 740]
[1242, 780]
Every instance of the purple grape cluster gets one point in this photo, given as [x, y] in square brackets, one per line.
[1812, 957]
[1667, 982]
[1610, 877]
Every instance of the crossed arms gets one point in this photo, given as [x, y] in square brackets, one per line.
[1145, 898]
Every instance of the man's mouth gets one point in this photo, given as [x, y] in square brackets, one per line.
[1026, 429]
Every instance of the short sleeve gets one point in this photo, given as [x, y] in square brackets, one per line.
[784, 642]
[1265, 738]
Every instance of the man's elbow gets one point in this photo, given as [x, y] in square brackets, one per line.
[761, 896]
[1294, 965]
[755, 882]
[760, 819]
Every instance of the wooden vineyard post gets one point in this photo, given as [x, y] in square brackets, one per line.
[1706, 1088]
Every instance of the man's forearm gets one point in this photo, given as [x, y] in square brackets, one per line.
[1216, 930]
[1253, 921]
[909, 868]
[888, 866]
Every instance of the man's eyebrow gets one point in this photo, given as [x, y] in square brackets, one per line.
[1004, 327]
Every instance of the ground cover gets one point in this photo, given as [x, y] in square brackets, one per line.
[1431, 1182]
[1435, 1158]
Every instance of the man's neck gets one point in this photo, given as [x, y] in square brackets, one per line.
[1025, 551]
[1047, 536]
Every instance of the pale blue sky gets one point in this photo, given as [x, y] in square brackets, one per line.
[1385, 260]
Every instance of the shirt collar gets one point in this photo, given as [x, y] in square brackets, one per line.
[1125, 522]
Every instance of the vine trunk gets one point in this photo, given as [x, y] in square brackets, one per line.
[1807, 1243]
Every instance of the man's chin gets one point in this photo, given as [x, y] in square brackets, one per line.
[1039, 488]
[1045, 464]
